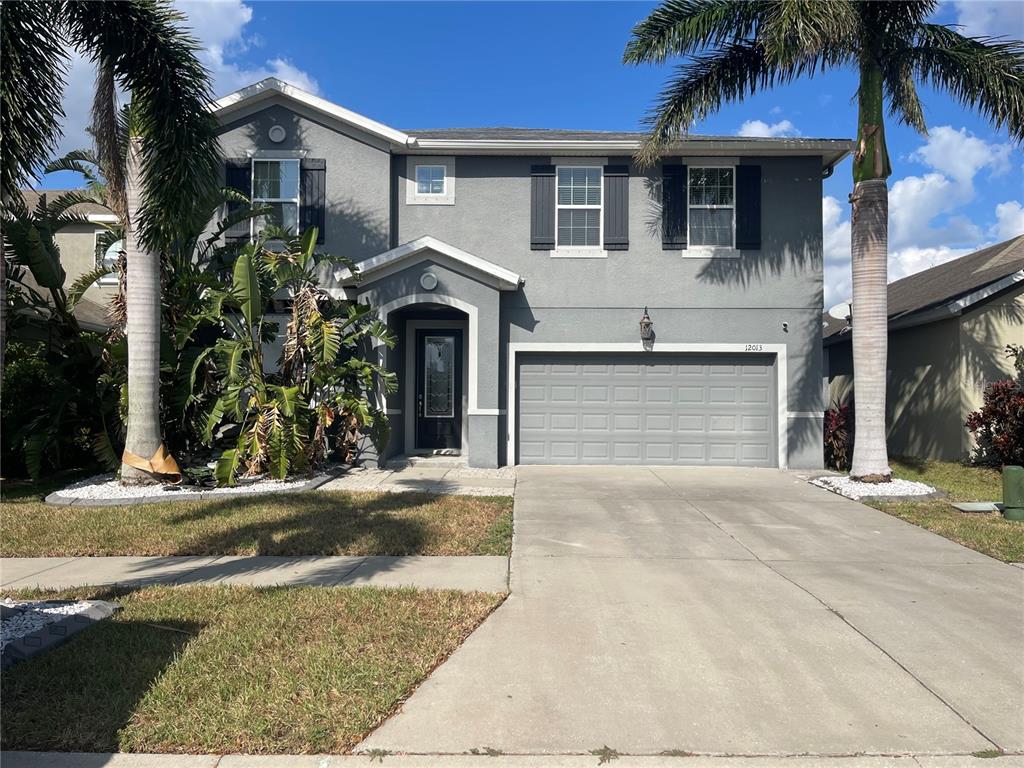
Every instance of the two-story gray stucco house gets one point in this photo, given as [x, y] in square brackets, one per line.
[514, 267]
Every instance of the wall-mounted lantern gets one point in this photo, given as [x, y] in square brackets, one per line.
[646, 328]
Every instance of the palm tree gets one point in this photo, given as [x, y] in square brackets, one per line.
[139, 45]
[733, 49]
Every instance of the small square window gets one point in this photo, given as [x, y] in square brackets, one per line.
[430, 179]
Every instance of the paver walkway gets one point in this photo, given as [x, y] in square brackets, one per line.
[488, 574]
[727, 611]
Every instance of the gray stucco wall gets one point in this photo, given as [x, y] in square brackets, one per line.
[358, 174]
[742, 300]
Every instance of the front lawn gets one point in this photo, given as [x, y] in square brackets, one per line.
[310, 523]
[989, 533]
[234, 669]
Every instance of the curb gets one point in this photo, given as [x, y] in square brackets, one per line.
[498, 760]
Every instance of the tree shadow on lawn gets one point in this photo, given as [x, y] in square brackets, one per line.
[80, 695]
[315, 523]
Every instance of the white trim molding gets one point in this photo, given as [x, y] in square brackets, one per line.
[271, 86]
[412, 193]
[505, 279]
[779, 350]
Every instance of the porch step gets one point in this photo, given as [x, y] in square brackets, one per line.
[432, 460]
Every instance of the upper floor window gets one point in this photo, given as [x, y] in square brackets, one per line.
[275, 184]
[430, 179]
[579, 207]
[712, 207]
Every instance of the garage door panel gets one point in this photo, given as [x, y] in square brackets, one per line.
[653, 409]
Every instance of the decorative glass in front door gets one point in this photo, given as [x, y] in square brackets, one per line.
[439, 377]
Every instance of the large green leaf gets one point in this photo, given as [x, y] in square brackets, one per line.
[246, 285]
[43, 263]
[227, 467]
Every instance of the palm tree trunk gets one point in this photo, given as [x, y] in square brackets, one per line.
[869, 250]
[143, 331]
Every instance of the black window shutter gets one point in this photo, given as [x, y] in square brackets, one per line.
[542, 207]
[748, 207]
[238, 176]
[616, 207]
[312, 194]
[673, 207]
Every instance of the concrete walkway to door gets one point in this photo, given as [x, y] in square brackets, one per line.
[727, 611]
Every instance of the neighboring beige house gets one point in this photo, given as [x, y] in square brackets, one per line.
[948, 331]
[79, 253]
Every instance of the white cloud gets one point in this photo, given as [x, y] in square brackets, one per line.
[962, 155]
[988, 18]
[1009, 220]
[915, 201]
[907, 261]
[761, 129]
[220, 28]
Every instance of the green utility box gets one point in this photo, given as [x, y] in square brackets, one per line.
[1013, 493]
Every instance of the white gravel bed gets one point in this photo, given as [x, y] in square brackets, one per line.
[107, 487]
[851, 489]
[30, 616]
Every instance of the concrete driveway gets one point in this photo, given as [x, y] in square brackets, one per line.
[727, 611]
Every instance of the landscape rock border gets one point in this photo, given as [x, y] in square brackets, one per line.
[842, 485]
[66, 498]
[55, 632]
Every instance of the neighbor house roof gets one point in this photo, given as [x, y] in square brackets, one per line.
[31, 198]
[949, 288]
[524, 140]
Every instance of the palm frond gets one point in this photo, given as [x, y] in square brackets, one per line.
[155, 60]
[792, 30]
[81, 161]
[110, 154]
[681, 27]
[984, 73]
[904, 103]
[706, 82]
[33, 69]
[85, 281]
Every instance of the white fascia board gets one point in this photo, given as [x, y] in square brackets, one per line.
[271, 86]
[507, 279]
[954, 308]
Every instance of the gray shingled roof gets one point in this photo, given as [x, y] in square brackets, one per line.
[31, 197]
[558, 134]
[948, 282]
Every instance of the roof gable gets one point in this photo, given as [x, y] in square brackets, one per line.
[265, 89]
[415, 250]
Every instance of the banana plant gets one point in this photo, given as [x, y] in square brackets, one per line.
[319, 398]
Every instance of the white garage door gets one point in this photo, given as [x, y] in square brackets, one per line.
[622, 408]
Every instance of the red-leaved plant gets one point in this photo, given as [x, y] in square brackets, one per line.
[838, 437]
[998, 428]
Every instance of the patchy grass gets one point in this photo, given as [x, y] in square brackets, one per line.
[234, 669]
[311, 523]
[989, 533]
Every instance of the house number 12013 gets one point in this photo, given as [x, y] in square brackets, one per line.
[755, 348]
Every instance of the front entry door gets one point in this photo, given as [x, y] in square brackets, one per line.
[439, 389]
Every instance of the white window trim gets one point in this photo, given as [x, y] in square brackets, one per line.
[444, 179]
[581, 251]
[710, 251]
[297, 200]
[106, 279]
[412, 193]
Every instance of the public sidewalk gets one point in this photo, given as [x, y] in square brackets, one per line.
[472, 573]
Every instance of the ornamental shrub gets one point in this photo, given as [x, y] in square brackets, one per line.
[998, 428]
[838, 437]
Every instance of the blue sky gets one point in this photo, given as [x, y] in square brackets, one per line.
[539, 64]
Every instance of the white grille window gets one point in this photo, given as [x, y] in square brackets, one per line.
[579, 207]
[430, 179]
[712, 213]
[275, 184]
